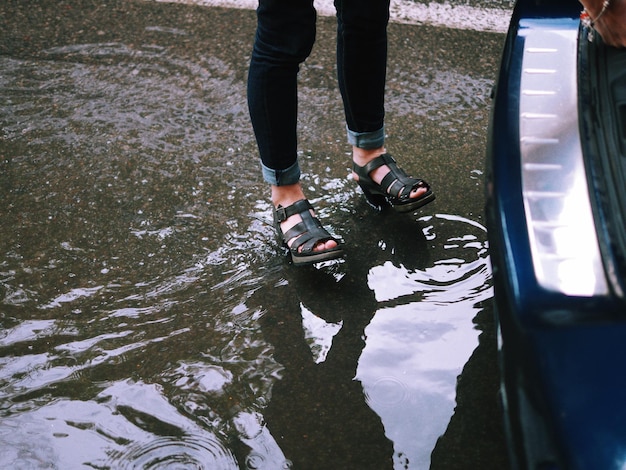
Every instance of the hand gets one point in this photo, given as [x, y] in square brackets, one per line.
[611, 24]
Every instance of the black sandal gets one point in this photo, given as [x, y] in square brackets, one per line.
[305, 235]
[395, 188]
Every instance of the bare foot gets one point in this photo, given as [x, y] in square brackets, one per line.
[285, 196]
[362, 157]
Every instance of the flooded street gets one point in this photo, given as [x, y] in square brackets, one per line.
[148, 316]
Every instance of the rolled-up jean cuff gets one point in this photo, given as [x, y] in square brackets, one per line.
[284, 177]
[367, 140]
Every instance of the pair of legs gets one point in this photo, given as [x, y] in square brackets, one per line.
[284, 39]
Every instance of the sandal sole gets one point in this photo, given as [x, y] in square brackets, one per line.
[412, 206]
[316, 258]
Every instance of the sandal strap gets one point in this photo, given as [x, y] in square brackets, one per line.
[396, 183]
[283, 213]
[381, 160]
[305, 234]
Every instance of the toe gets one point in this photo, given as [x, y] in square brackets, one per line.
[329, 245]
[418, 192]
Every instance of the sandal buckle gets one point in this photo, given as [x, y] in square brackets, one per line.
[281, 214]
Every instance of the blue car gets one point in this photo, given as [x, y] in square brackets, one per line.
[556, 214]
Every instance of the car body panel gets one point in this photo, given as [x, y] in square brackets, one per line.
[556, 268]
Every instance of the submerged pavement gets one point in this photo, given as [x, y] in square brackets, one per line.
[147, 315]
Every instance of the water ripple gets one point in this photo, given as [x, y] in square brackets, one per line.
[187, 452]
[463, 276]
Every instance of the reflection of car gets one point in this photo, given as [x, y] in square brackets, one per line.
[556, 213]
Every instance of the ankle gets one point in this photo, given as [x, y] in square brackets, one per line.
[286, 195]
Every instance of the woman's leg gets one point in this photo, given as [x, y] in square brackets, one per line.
[362, 69]
[284, 38]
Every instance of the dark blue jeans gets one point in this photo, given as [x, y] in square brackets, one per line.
[284, 39]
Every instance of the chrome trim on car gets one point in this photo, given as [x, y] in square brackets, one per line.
[565, 253]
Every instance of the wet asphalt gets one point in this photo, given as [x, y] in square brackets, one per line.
[71, 144]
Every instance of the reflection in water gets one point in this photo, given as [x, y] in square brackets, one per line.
[400, 332]
[422, 335]
[145, 319]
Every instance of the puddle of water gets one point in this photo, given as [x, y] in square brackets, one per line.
[144, 322]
